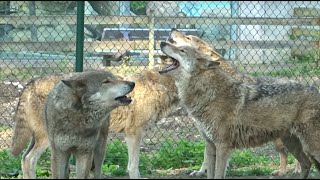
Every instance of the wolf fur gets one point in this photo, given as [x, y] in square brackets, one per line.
[76, 118]
[235, 114]
[179, 39]
[154, 97]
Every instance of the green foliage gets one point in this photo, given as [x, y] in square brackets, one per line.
[117, 159]
[302, 66]
[113, 170]
[250, 171]
[243, 158]
[302, 70]
[117, 154]
[291, 159]
[10, 166]
[171, 155]
[43, 165]
[138, 7]
[246, 163]
[178, 154]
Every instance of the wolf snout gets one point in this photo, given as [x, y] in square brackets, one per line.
[131, 84]
[173, 29]
[163, 44]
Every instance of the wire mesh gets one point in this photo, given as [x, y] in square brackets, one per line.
[274, 38]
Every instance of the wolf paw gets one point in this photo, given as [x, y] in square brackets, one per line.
[279, 173]
[197, 173]
[297, 171]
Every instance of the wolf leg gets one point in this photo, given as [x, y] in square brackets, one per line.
[83, 164]
[283, 158]
[210, 152]
[133, 143]
[294, 146]
[223, 154]
[297, 168]
[59, 164]
[31, 157]
[204, 165]
[100, 151]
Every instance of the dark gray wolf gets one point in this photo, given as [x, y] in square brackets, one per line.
[76, 118]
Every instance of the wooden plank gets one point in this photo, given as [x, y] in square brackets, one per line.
[39, 20]
[306, 12]
[106, 46]
[261, 44]
[71, 19]
[238, 21]
[71, 46]
[314, 33]
[142, 33]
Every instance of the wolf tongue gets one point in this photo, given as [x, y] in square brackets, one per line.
[173, 66]
[124, 98]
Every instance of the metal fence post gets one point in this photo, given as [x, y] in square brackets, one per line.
[151, 39]
[32, 12]
[80, 36]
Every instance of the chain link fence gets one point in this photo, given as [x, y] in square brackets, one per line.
[37, 38]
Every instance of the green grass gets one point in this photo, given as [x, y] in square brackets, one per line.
[302, 66]
[245, 163]
[178, 154]
[10, 166]
[171, 155]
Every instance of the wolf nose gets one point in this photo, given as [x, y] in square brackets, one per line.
[162, 44]
[173, 29]
[132, 84]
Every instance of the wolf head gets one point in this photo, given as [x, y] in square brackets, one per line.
[186, 60]
[177, 38]
[100, 87]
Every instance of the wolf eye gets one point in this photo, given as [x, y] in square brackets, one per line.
[106, 81]
[188, 38]
[182, 50]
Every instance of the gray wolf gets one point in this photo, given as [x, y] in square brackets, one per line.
[76, 118]
[235, 114]
[179, 39]
[29, 122]
[155, 96]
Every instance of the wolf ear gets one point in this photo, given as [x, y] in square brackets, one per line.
[208, 64]
[74, 84]
[215, 56]
[79, 88]
[212, 64]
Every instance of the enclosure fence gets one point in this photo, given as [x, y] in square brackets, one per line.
[261, 38]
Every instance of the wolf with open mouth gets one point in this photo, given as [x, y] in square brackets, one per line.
[236, 114]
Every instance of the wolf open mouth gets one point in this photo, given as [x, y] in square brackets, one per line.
[175, 63]
[171, 67]
[124, 99]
